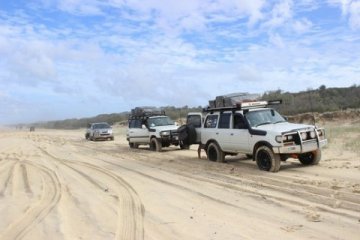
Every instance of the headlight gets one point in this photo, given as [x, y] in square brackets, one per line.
[110, 131]
[303, 135]
[312, 134]
[165, 133]
[321, 133]
[284, 138]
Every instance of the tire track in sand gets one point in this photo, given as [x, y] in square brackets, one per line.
[50, 196]
[130, 223]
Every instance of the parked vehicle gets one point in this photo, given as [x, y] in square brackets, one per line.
[96, 131]
[150, 126]
[254, 129]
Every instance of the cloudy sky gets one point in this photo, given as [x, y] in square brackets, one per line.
[78, 58]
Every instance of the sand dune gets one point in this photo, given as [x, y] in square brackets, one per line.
[56, 185]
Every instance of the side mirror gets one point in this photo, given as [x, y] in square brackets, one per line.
[143, 126]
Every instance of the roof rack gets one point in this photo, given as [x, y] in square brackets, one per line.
[145, 112]
[244, 105]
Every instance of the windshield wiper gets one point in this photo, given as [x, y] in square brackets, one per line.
[264, 123]
[279, 121]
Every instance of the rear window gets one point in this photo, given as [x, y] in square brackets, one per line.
[195, 120]
[224, 121]
[211, 121]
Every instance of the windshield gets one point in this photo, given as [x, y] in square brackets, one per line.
[160, 121]
[262, 117]
[101, 126]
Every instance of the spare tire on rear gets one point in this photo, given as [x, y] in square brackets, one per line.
[187, 134]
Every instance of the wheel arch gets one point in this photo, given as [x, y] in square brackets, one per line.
[259, 144]
[211, 141]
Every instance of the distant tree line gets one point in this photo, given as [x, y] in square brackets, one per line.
[319, 100]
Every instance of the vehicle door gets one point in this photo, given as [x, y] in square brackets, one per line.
[239, 137]
[196, 120]
[210, 131]
[138, 133]
[224, 131]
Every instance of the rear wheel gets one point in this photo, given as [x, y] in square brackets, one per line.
[267, 160]
[311, 158]
[155, 145]
[214, 153]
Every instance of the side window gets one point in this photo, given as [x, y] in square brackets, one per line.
[138, 123]
[239, 122]
[135, 123]
[211, 121]
[131, 123]
[224, 121]
[194, 120]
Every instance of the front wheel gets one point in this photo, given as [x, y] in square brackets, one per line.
[155, 145]
[267, 160]
[214, 153]
[311, 158]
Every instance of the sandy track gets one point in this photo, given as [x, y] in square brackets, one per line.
[54, 183]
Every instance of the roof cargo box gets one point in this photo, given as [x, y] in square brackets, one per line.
[212, 103]
[236, 98]
[146, 111]
[219, 101]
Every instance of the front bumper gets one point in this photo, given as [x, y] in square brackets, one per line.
[103, 135]
[303, 148]
[172, 138]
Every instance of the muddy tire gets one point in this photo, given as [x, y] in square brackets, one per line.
[214, 153]
[311, 158]
[155, 145]
[267, 160]
[87, 136]
[182, 130]
[191, 134]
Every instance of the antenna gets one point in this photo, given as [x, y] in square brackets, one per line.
[311, 108]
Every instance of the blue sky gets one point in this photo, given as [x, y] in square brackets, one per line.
[80, 58]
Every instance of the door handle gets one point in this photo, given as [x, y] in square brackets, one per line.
[217, 133]
[231, 134]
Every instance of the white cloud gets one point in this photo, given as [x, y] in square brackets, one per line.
[280, 14]
[354, 12]
[114, 54]
[351, 10]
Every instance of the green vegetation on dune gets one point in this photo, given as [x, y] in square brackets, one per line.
[320, 100]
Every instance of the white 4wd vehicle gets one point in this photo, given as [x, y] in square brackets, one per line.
[150, 126]
[259, 132]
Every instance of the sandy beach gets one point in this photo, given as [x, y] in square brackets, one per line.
[54, 184]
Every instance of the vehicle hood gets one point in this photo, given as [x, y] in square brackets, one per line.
[284, 127]
[165, 128]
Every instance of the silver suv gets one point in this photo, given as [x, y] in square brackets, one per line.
[100, 130]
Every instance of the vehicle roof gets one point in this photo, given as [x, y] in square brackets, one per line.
[240, 111]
